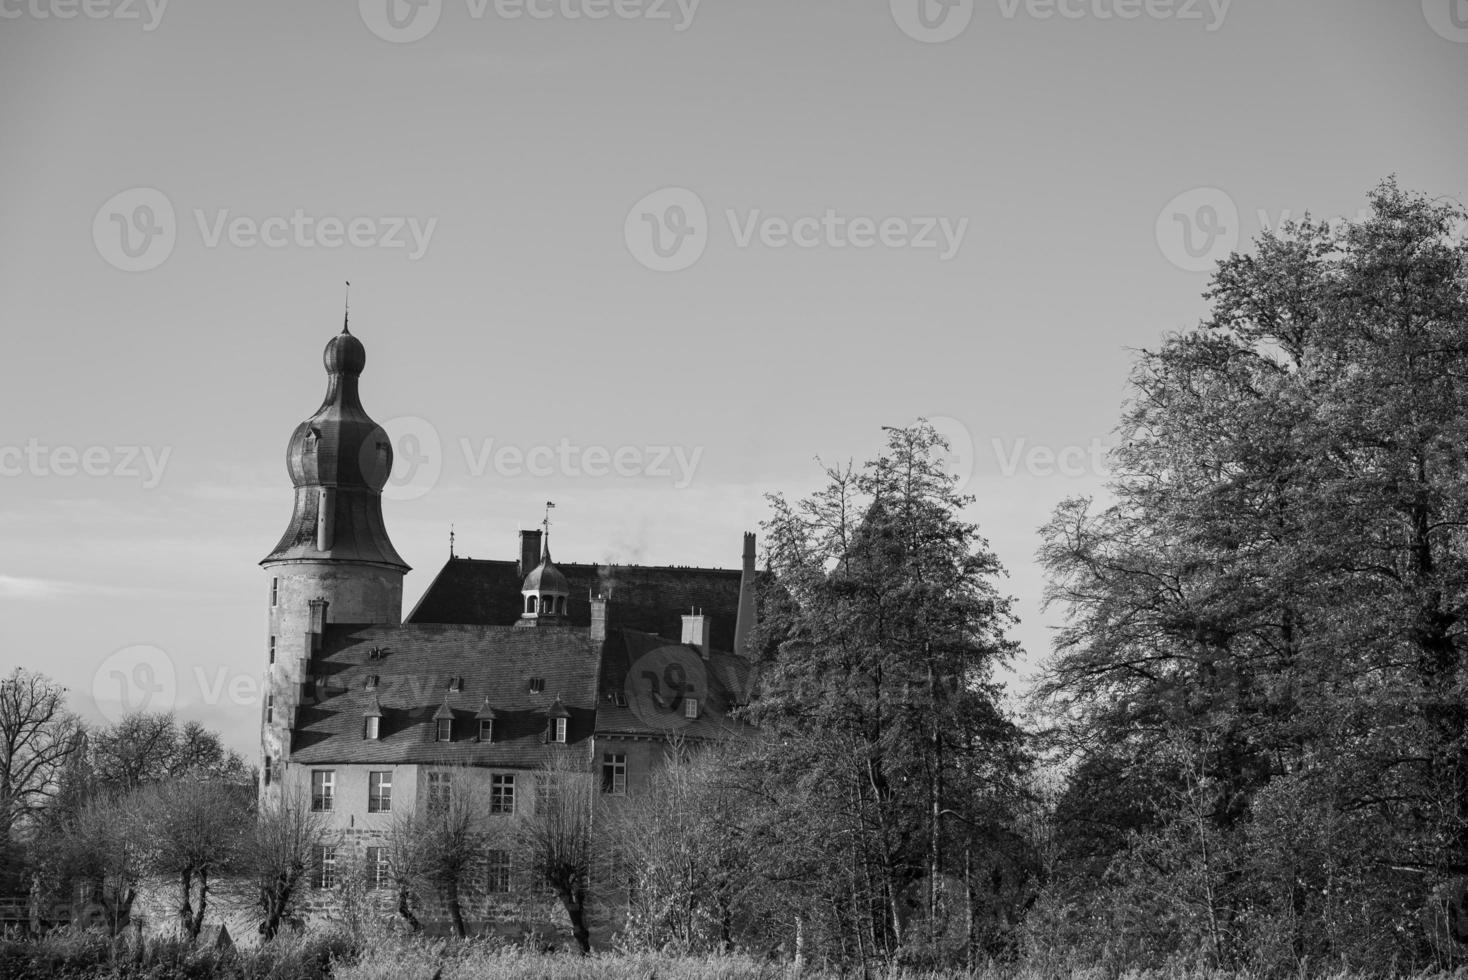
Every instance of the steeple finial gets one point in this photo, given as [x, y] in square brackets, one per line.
[347, 314]
[451, 541]
[545, 533]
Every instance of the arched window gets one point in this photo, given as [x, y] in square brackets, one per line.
[530, 603]
[561, 605]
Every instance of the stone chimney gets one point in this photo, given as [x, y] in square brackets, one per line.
[696, 629]
[317, 623]
[598, 623]
[745, 620]
[529, 552]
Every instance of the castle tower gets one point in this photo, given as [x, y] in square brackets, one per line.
[335, 562]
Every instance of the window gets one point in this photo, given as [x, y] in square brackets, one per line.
[486, 730]
[440, 791]
[502, 793]
[445, 732]
[379, 790]
[614, 773]
[690, 708]
[378, 874]
[499, 872]
[619, 698]
[530, 603]
[371, 682]
[274, 591]
[269, 708]
[456, 684]
[537, 684]
[373, 728]
[272, 649]
[265, 771]
[558, 729]
[323, 788]
[325, 866]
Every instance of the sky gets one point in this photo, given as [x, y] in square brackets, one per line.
[647, 259]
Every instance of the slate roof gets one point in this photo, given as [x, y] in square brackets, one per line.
[651, 599]
[413, 671]
[720, 682]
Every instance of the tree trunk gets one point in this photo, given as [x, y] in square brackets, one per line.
[575, 905]
[186, 904]
[405, 909]
[456, 911]
[198, 922]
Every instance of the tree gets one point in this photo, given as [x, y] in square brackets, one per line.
[1276, 599]
[194, 830]
[37, 737]
[555, 836]
[880, 652]
[277, 854]
[104, 846]
[146, 748]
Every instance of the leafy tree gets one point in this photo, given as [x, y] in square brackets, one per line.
[880, 656]
[1276, 597]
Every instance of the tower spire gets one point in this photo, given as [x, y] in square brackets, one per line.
[347, 313]
[451, 541]
[545, 533]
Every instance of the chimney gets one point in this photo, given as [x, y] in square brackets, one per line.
[529, 552]
[598, 623]
[318, 622]
[745, 620]
[696, 629]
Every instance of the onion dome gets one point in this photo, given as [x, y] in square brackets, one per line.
[339, 460]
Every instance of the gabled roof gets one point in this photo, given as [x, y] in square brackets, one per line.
[651, 599]
[414, 668]
[646, 681]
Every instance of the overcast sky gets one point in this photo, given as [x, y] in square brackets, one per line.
[670, 253]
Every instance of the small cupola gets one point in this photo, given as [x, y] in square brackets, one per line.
[545, 590]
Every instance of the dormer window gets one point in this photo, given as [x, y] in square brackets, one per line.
[486, 730]
[373, 728]
[445, 730]
[690, 708]
[456, 684]
[371, 682]
[558, 730]
[537, 685]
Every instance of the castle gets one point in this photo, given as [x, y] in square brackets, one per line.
[500, 667]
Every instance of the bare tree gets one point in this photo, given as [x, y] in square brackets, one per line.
[37, 735]
[103, 846]
[405, 842]
[277, 854]
[195, 830]
[437, 849]
[556, 837]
